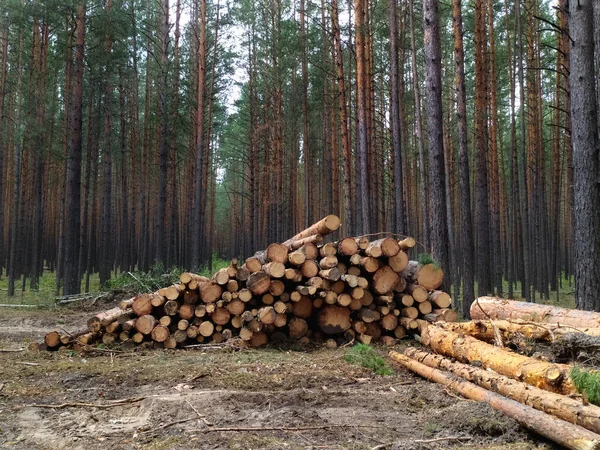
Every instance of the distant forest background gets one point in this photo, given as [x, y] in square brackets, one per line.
[143, 132]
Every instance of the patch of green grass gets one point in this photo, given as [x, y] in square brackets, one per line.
[427, 258]
[587, 383]
[368, 357]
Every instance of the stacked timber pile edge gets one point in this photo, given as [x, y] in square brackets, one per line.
[352, 289]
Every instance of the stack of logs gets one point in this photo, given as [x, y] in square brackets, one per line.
[352, 289]
[471, 359]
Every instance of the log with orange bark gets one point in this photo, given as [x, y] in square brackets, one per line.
[498, 308]
[572, 410]
[564, 433]
[484, 329]
[549, 376]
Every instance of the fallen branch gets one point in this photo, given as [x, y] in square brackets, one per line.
[316, 427]
[11, 350]
[87, 405]
[170, 424]
[441, 439]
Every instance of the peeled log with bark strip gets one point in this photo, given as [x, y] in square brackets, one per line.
[544, 375]
[566, 434]
[497, 308]
[323, 227]
[566, 408]
[384, 280]
[334, 319]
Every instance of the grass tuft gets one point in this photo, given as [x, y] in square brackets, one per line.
[427, 258]
[367, 357]
[587, 383]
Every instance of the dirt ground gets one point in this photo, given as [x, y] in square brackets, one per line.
[179, 399]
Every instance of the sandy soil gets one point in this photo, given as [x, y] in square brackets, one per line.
[274, 398]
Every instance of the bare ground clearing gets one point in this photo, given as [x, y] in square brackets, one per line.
[270, 388]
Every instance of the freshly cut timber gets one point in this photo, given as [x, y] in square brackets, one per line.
[259, 282]
[323, 227]
[334, 319]
[484, 329]
[385, 247]
[210, 292]
[544, 375]
[429, 276]
[407, 243]
[312, 240]
[298, 289]
[104, 318]
[564, 433]
[142, 305]
[566, 408]
[498, 308]
[398, 262]
[385, 280]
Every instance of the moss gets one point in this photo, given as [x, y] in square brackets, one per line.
[367, 357]
[587, 383]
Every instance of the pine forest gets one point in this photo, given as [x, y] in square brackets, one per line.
[144, 133]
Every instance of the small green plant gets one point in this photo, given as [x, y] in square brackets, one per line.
[366, 356]
[157, 277]
[587, 383]
[427, 258]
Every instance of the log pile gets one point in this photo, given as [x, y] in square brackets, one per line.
[304, 289]
[471, 360]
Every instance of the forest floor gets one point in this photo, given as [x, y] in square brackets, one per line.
[273, 387]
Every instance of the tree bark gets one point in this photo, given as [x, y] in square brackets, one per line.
[586, 153]
[72, 227]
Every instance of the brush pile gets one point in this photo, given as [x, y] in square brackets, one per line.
[351, 289]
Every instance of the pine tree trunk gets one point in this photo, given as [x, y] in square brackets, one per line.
[584, 137]
[399, 208]
[161, 246]
[466, 239]
[437, 178]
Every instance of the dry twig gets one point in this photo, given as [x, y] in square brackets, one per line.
[441, 439]
[112, 404]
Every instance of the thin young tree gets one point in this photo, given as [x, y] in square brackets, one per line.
[466, 237]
